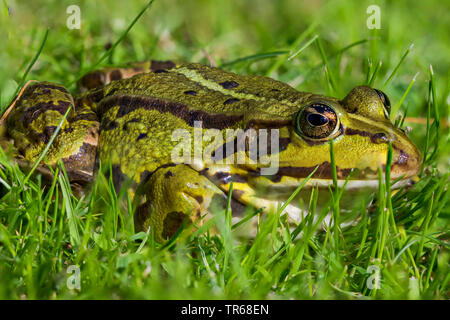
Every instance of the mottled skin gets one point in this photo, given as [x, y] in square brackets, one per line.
[126, 117]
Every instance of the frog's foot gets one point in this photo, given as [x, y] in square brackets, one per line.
[174, 195]
[36, 115]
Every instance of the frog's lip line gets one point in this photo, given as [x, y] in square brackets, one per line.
[350, 184]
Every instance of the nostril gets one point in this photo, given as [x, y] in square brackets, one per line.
[380, 138]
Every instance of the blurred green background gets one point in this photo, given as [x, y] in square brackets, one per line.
[227, 30]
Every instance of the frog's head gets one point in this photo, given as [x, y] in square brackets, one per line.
[360, 127]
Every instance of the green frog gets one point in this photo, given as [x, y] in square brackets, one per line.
[180, 133]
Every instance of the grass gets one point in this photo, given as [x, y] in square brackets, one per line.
[314, 46]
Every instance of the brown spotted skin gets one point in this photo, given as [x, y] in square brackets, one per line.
[125, 118]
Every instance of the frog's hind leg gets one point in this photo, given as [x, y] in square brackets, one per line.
[35, 117]
[104, 76]
[177, 194]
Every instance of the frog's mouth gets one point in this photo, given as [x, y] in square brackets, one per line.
[288, 186]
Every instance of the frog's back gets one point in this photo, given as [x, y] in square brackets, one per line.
[138, 115]
[199, 87]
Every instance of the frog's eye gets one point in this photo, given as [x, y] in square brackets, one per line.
[385, 100]
[317, 121]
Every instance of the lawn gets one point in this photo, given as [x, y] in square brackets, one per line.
[49, 238]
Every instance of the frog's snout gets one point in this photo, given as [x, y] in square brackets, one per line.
[406, 158]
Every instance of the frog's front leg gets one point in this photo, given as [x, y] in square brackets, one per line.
[176, 194]
[36, 115]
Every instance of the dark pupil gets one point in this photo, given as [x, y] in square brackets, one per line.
[317, 119]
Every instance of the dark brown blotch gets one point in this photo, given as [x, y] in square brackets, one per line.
[190, 92]
[88, 116]
[145, 176]
[111, 125]
[199, 199]
[125, 125]
[49, 131]
[36, 110]
[172, 222]
[379, 138]
[222, 177]
[168, 174]
[129, 103]
[229, 84]
[231, 100]
[324, 171]
[159, 65]
[141, 136]
[115, 75]
[93, 80]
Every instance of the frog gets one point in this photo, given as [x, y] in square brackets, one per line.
[125, 119]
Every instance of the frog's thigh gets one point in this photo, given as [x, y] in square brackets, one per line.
[176, 194]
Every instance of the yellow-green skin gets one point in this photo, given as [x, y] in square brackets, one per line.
[126, 118]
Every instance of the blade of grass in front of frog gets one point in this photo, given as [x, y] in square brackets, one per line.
[328, 71]
[227, 230]
[258, 56]
[247, 218]
[47, 147]
[48, 198]
[369, 70]
[405, 114]
[424, 229]
[30, 65]
[113, 196]
[124, 34]
[228, 208]
[396, 108]
[130, 212]
[428, 131]
[306, 45]
[113, 47]
[402, 59]
[436, 122]
[72, 218]
[339, 52]
[5, 167]
[335, 196]
[431, 267]
[365, 225]
[442, 194]
[429, 236]
[144, 241]
[374, 74]
[296, 191]
[389, 209]
[378, 244]
[278, 62]
[230, 254]
[204, 227]
[280, 210]
[177, 235]
[302, 246]
[308, 220]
